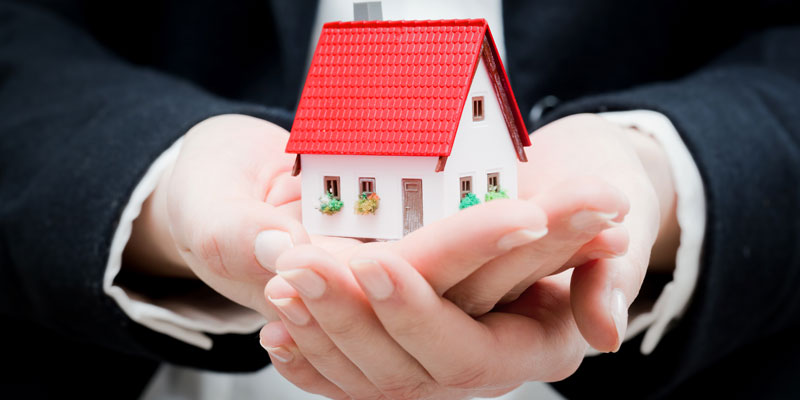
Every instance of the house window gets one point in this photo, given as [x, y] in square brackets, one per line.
[493, 182]
[466, 185]
[477, 108]
[332, 185]
[366, 185]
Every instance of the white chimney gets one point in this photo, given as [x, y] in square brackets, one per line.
[367, 11]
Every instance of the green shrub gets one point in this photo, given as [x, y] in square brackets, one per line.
[367, 203]
[495, 193]
[468, 201]
[329, 205]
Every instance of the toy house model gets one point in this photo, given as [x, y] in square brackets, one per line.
[402, 123]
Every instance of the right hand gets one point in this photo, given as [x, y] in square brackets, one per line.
[224, 212]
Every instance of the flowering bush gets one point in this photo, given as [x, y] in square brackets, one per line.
[329, 204]
[367, 203]
[495, 193]
[468, 201]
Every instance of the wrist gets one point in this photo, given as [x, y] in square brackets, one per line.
[656, 164]
[151, 249]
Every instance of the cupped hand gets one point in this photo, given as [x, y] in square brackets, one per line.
[601, 290]
[224, 211]
[228, 207]
[402, 340]
[584, 162]
[387, 334]
[379, 329]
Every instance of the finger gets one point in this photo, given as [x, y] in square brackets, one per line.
[577, 210]
[336, 245]
[283, 189]
[236, 230]
[338, 306]
[234, 251]
[447, 251]
[552, 352]
[217, 196]
[547, 302]
[456, 350]
[293, 209]
[314, 343]
[290, 363]
[610, 243]
[602, 291]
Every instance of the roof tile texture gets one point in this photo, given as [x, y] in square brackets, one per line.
[387, 87]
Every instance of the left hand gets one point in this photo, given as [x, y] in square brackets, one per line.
[403, 340]
[571, 155]
[442, 255]
[399, 339]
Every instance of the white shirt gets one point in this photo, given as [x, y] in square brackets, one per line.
[186, 321]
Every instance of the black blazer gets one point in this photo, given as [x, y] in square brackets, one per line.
[91, 92]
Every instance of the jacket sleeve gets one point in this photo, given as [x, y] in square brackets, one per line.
[79, 128]
[738, 116]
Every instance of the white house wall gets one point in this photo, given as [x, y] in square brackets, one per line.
[388, 171]
[480, 147]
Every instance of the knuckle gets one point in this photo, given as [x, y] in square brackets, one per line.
[513, 294]
[472, 377]
[325, 353]
[205, 244]
[473, 303]
[415, 327]
[345, 327]
[403, 389]
[476, 308]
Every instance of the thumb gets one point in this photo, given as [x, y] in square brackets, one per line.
[248, 236]
[234, 250]
[600, 293]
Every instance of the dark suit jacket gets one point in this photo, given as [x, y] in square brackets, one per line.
[92, 91]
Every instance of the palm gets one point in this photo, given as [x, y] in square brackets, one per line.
[579, 150]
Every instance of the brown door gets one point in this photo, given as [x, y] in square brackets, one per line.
[412, 205]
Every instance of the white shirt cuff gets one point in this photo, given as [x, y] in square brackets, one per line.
[185, 317]
[691, 216]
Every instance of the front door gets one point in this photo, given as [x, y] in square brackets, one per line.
[412, 205]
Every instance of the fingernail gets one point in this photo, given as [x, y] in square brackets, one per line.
[588, 219]
[269, 246]
[519, 238]
[306, 281]
[373, 278]
[293, 309]
[619, 312]
[280, 353]
[271, 343]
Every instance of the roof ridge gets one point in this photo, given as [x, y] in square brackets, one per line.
[366, 93]
[426, 22]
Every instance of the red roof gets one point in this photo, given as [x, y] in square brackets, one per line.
[393, 88]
